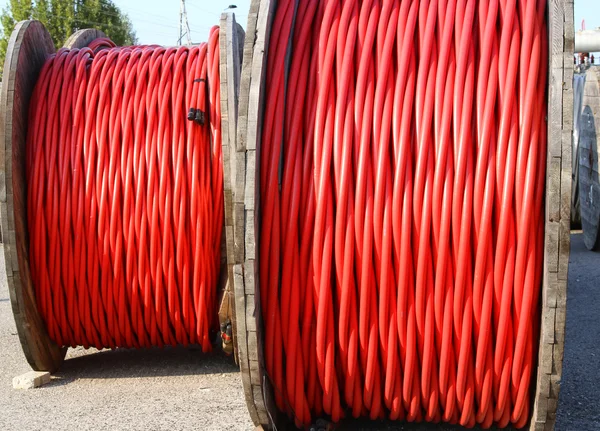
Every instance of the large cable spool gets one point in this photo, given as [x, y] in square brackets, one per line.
[260, 384]
[30, 46]
[588, 177]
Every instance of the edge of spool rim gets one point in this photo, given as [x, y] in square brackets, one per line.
[230, 69]
[246, 214]
[548, 371]
[29, 46]
[82, 38]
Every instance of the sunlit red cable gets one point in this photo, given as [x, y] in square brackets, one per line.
[125, 203]
[407, 141]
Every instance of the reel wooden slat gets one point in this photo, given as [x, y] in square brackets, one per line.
[257, 387]
[230, 69]
[245, 201]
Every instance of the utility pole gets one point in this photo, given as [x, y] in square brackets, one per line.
[184, 25]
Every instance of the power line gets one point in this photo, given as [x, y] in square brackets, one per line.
[134, 16]
[204, 10]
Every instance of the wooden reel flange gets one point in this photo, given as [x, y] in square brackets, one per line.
[29, 47]
[589, 180]
[246, 214]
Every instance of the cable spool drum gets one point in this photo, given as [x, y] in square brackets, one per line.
[589, 182]
[259, 390]
[29, 47]
[578, 89]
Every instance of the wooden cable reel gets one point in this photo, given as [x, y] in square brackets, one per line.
[28, 48]
[589, 182]
[258, 389]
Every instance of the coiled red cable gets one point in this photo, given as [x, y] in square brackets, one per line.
[401, 250]
[125, 200]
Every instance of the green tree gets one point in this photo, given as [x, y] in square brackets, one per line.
[64, 17]
[15, 11]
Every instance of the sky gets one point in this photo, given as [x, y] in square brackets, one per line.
[157, 21]
[588, 10]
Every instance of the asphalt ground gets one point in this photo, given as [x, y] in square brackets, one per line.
[154, 389]
[181, 389]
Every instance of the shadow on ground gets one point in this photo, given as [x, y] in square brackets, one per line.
[131, 363]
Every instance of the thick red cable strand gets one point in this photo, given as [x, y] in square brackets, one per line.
[402, 169]
[125, 201]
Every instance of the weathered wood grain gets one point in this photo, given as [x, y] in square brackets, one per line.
[230, 41]
[246, 211]
[82, 38]
[558, 208]
[28, 48]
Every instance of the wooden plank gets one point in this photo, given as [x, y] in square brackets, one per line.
[554, 386]
[555, 110]
[550, 422]
[249, 266]
[255, 373]
[230, 83]
[542, 410]
[260, 404]
[238, 233]
[566, 179]
[550, 299]
[545, 360]
[558, 208]
[250, 185]
[559, 324]
[569, 28]
[553, 179]
[230, 69]
[246, 77]
[252, 339]
[250, 310]
[552, 239]
[250, 238]
[259, 58]
[245, 205]
[564, 246]
[242, 337]
[28, 48]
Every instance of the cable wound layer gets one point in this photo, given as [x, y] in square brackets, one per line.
[401, 250]
[125, 194]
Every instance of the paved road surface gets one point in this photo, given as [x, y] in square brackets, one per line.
[579, 404]
[179, 389]
[158, 389]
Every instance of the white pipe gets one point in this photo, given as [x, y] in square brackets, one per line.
[587, 41]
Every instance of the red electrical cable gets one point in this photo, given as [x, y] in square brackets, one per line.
[402, 175]
[125, 201]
